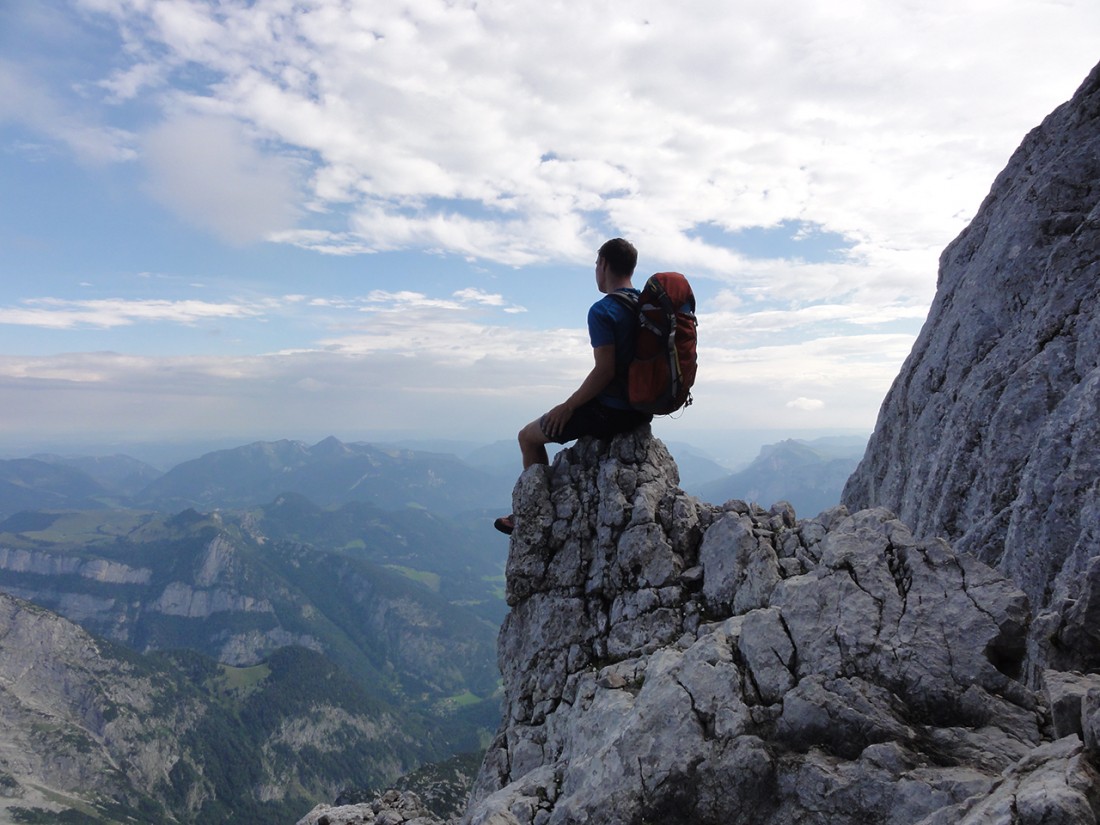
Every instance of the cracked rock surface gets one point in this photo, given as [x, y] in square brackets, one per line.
[391, 808]
[667, 660]
[990, 435]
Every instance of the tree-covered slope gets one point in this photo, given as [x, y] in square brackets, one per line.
[91, 732]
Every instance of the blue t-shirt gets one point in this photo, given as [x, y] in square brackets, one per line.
[611, 321]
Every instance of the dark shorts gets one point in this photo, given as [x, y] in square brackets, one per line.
[599, 421]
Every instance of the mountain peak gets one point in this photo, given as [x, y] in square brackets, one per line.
[329, 446]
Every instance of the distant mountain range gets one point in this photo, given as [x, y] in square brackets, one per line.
[332, 473]
[239, 576]
[116, 474]
[274, 563]
[33, 484]
[808, 474]
[328, 473]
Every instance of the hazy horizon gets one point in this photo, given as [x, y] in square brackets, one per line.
[732, 449]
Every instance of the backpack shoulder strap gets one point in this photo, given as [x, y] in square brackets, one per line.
[628, 298]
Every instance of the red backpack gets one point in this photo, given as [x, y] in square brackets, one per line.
[662, 370]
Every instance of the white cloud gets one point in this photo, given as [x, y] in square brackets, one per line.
[380, 300]
[805, 404]
[209, 171]
[57, 313]
[129, 83]
[323, 241]
[748, 326]
[881, 122]
[27, 100]
[396, 375]
[480, 297]
[523, 134]
[415, 308]
[412, 358]
[472, 295]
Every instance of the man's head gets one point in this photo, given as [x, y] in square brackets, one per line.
[620, 256]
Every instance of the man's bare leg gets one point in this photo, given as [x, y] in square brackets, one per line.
[532, 444]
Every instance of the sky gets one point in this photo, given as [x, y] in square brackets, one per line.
[252, 220]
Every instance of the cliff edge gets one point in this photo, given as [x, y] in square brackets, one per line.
[667, 660]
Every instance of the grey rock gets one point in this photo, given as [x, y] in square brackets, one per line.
[74, 718]
[1054, 784]
[390, 808]
[739, 569]
[768, 653]
[1066, 694]
[1090, 722]
[879, 678]
[990, 435]
[48, 564]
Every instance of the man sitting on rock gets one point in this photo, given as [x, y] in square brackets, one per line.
[598, 407]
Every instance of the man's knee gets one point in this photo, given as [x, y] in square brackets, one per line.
[532, 445]
[532, 435]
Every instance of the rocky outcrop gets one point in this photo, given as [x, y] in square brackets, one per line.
[73, 718]
[391, 808]
[53, 564]
[990, 436]
[93, 731]
[181, 599]
[671, 661]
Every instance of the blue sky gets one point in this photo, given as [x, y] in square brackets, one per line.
[276, 219]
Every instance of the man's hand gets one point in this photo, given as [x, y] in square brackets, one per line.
[555, 420]
[603, 371]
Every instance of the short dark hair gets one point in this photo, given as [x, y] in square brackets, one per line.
[621, 256]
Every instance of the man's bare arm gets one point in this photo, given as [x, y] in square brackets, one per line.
[602, 374]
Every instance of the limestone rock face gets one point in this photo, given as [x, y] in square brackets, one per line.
[391, 808]
[671, 661]
[46, 564]
[74, 719]
[990, 435]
